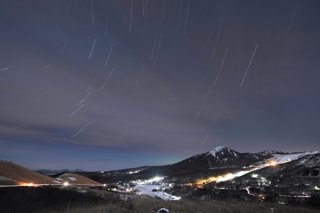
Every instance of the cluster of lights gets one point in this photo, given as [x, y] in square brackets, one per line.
[134, 172]
[272, 163]
[148, 181]
[230, 176]
[217, 179]
[28, 184]
[254, 175]
[223, 178]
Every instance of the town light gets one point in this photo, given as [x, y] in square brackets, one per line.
[254, 175]
[273, 163]
[27, 184]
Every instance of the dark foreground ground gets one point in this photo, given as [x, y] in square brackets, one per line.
[67, 200]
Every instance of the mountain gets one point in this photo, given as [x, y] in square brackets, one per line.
[11, 173]
[53, 172]
[218, 158]
[270, 152]
[221, 164]
[292, 166]
[219, 161]
[75, 179]
[291, 173]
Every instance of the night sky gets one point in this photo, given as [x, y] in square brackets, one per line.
[108, 84]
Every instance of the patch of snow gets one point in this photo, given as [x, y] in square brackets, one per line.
[273, 161]
[285, 158]
[217, 150]
[153, 191]
[72, 178]
[309, 153]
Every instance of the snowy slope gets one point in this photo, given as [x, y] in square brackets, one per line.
[154, 191]
[285, 158]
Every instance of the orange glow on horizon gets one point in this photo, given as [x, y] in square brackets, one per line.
[30, 184]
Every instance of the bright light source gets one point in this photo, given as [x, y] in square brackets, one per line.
[254, 175]
[156, 179]
[104, 185]
[134, 172]
[273, 163]
[316, 188]
[211, 179]
[151, 180]
[27, 184]
[66, 183]
[229, 176]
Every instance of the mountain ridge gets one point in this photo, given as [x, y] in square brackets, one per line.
[218, 161]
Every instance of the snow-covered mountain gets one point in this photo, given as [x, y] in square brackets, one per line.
[219, 161]
[222, 150]
[293, 171]
[219, 157]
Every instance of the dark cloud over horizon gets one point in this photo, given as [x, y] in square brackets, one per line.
[97, 84]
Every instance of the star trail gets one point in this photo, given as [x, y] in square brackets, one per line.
[105, 84]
